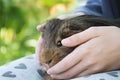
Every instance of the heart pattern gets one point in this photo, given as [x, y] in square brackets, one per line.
[102, 79]
[114, 74]
[41, 72]
[9, 74]
[21, 66]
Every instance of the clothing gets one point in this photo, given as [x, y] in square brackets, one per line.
[27, 68]
[105, 8]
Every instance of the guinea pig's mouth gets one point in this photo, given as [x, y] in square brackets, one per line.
[46, 65]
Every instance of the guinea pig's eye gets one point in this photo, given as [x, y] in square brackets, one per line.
[48, 62]
[59, 44]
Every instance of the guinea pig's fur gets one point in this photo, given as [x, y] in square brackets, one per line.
[55, 30]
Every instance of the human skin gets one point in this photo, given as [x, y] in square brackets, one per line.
[98, 51]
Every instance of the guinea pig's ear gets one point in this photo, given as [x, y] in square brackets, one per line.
[51, 24]
[69, 28]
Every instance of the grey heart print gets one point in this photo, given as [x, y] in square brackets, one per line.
[9, 74]
[21, 66]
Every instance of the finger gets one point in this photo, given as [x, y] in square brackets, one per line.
[81, 37]
[78, 68]
[38, 47]
[40, 27]
[69, 61]
[91, 70]
[81, 55]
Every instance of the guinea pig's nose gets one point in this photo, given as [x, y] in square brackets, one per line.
[46, 65]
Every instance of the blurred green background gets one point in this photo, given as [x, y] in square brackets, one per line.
[18, 21]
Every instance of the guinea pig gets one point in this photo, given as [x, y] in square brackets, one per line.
[55, 30]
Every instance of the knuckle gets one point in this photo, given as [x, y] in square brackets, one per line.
[67, 76]
[91, 61]
[92, 29]
[98, 68]
[88, 50]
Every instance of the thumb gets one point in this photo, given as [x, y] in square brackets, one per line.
[38, 48]
[81, 37]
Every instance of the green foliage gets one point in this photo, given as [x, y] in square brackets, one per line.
[18, 21]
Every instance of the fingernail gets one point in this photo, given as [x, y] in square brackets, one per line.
[48, 71]
[52, 76]
[65, 41]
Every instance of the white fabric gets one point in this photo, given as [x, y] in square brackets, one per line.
[27, 68]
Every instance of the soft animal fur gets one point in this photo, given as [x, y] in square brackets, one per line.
[55, 30]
